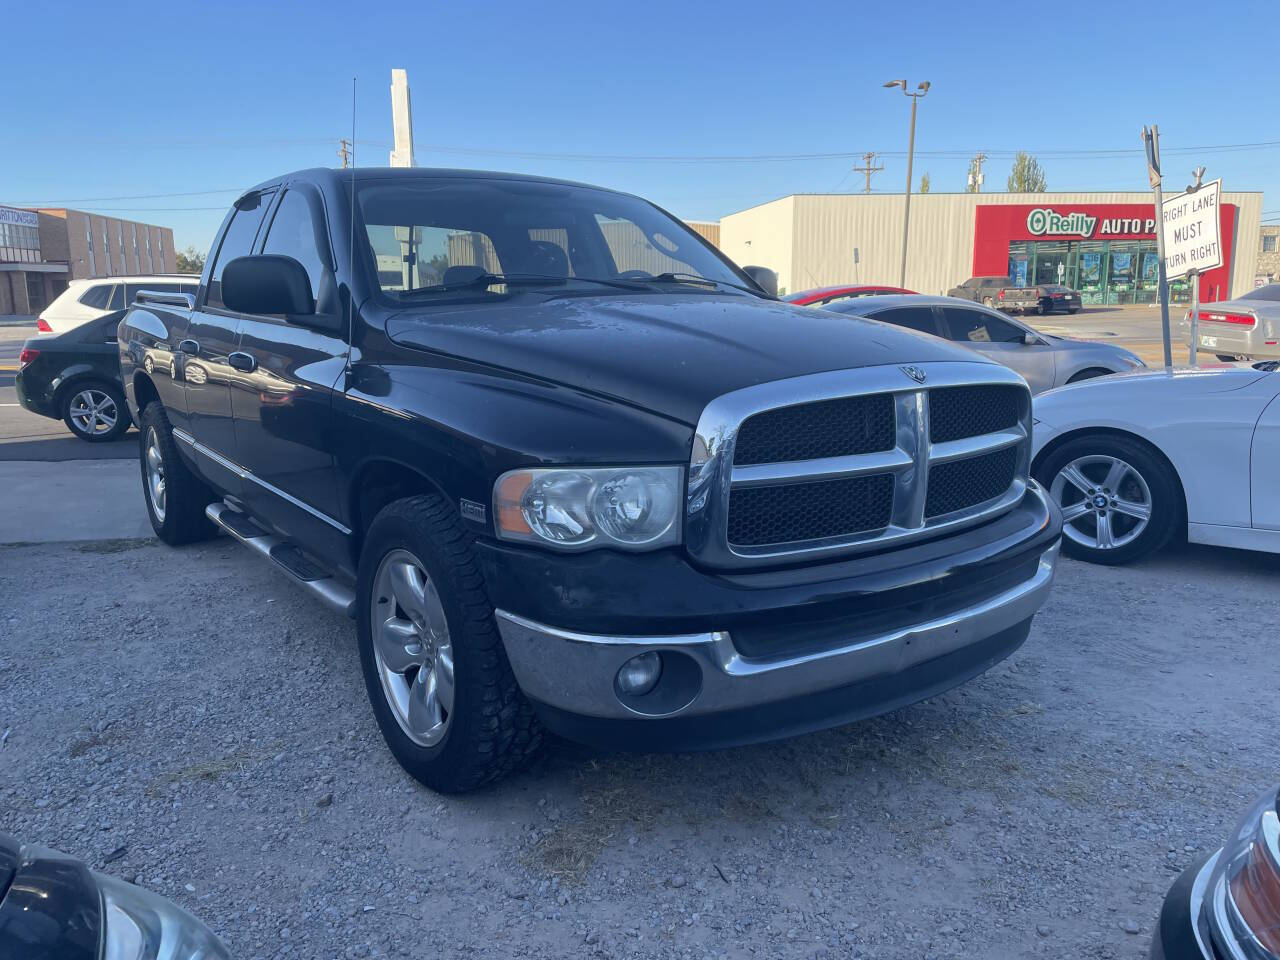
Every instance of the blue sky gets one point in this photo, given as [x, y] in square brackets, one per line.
[167, 99]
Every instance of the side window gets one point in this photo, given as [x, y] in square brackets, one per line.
[237, 242]
[97, 296]
[913, 318]
[973, 326]
[117, 297]
[292, 234]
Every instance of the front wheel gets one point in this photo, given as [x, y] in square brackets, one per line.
[434, 666]
[1043, 307]
[988, 302]
[96, 411]
[1120, 499]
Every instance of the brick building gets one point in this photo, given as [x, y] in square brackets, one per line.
[41, 250]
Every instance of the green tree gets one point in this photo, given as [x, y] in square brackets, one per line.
[1027, 175]
[189, 260]
[925, 182]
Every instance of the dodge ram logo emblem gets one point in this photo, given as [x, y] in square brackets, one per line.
[915, 373]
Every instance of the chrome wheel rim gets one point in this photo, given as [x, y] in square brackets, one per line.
[1105, 502]
[155, 474]
[411, 648]
[93, 412]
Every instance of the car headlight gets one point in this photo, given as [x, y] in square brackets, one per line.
[627, 508]
[140, 925]
[1242, 901]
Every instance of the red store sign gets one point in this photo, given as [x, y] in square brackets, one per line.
[998, 225]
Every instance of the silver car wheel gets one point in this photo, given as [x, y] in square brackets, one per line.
[411, 647]
[93, 412]
[155, 474]
[1105, 502]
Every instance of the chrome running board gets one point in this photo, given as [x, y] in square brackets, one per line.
[332, 592]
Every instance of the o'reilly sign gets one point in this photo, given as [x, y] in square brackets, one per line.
[1047, 222]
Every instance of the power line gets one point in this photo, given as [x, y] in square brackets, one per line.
[135, 196]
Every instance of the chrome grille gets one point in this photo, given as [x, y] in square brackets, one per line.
[854, 460]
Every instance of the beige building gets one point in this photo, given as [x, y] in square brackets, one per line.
[41, 250]
[1100, 243]
[1269, 255]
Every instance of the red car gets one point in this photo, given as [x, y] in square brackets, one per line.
[821, 295]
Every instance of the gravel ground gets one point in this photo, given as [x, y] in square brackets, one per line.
[189, 720]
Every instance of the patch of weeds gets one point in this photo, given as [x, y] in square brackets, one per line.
[209, 771]
[82, 745]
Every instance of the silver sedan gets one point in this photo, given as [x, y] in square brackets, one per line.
[1045, 361]
[1246, 328]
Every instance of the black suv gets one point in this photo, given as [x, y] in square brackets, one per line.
[568, 467]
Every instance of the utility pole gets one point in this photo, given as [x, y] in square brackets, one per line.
[975, 178]
[343, 151]
[868, 170]
[1151, 141]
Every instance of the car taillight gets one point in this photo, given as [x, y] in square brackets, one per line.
[1243, 897]
[1000, 296]
[43, 325]
[26, 356]
[1244, 319]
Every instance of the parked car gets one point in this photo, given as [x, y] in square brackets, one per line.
[1226, 905]
[1135, 460]
[86, 300]
[1246, 328]
[1044, 360]
[75, 377]
[568, 467]
[54, 906]
[1001, 293]
[824, 295]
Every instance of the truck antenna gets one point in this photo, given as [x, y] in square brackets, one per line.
[351, 247]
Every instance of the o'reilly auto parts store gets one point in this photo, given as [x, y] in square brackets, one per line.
[1102, 244]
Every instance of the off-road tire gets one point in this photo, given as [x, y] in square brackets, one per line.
[186, 495]
[492, 728]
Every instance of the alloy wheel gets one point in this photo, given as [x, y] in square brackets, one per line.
[411, 647]
[93, 412]
[155, 474]
[1105, 502]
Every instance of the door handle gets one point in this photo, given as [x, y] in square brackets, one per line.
[189, 347]
[242, 362]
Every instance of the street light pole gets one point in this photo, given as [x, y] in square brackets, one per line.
[921, 90]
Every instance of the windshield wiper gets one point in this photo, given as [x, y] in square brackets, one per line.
[695, 279]
[488, 280]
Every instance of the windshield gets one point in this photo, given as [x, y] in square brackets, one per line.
[435, 236]
[1269, 292]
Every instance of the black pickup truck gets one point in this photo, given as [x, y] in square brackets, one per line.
[569, 468]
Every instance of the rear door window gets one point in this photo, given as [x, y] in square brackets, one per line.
[97, 296]
[913, 318]
[117, 297]
[974, 326]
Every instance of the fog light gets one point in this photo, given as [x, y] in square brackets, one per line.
[640, 674]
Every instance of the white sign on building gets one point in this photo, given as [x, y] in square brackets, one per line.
[23, 218]
[1190, 225]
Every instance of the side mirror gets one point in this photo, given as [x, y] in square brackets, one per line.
[1031, 340]
[765, 279]
[267, 283]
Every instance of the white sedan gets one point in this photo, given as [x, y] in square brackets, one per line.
[1136, 459]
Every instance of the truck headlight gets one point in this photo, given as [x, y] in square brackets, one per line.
[627, 508]
[1242, 900]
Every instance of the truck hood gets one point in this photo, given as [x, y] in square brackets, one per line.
[669, 353]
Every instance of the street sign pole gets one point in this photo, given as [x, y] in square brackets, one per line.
[1151, 139]
[1198, 173]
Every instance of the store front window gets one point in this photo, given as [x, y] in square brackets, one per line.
[1104, 271]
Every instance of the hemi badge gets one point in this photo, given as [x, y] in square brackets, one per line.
[472, 510]
[915, 373]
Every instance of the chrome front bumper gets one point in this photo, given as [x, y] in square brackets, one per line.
[575, 672]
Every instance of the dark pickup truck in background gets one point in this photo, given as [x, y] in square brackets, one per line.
[568, 467]
[1000, 293]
